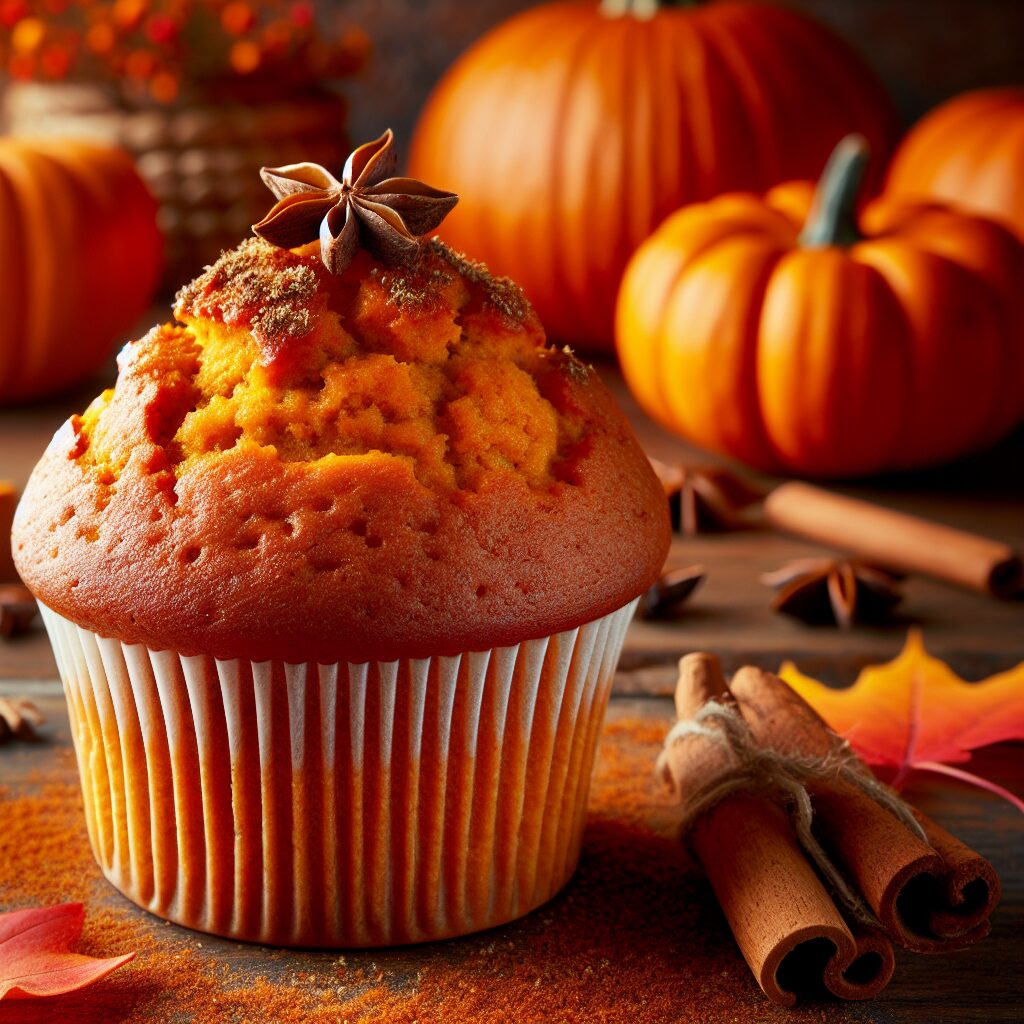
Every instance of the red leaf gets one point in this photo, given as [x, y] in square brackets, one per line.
[915, 712]
[35, 953]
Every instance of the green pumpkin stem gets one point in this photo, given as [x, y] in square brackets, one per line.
[832, 220]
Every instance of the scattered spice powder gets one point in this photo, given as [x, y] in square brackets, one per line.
[501, 292]
[254, 285]
[636, 937]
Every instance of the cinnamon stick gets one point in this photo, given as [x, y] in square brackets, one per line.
[930, 896]
[896, 540]
[784, 921]
[8, 500]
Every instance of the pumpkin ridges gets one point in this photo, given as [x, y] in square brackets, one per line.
[94, 269]
[955, 337]
[19, 303]
[907, 174]
[60, 286]
[998, 183]
[62, 244]
[649, 177]
[131, 204]
[778, 89]
[12, 281]
[471, 225]
[710, 335]
[552, 96]
[43, 212]
[946, 154]
[725, 157]
[913, 165]
[831, 390]
[655, 271]
[67, 223]
[638, 324]
[840, 83]
[990, 252]
[637, 178]
[603, 232]
[583, 240]
[958, 174]
[751, 93]
[516, 228]
[666, 107]
[698, 77]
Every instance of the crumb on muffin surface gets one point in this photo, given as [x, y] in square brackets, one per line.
[439, 365]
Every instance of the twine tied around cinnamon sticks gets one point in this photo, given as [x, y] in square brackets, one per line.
[782, 776]
[742, 751]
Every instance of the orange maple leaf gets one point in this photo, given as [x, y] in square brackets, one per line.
[915, 713]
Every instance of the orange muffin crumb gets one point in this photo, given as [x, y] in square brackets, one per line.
[437, 366]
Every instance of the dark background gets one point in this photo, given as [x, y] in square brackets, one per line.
[924, 50]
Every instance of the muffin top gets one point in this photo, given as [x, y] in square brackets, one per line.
[382, 462]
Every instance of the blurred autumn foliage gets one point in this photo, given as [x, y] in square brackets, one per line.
[150, 48]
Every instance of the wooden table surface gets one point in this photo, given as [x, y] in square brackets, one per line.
[730, 616]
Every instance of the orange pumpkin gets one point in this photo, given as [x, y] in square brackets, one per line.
[572, 130]
[788, 333]
[969, 151]
[80, 254]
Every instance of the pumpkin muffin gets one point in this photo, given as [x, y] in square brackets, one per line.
[336, 576]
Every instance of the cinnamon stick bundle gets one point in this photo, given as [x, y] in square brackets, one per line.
[784, 921]
[931, 894]
[733, 757]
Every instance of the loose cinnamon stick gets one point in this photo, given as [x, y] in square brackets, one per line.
[784, 921]
[895, 540]
[8, 500]
[930, 897]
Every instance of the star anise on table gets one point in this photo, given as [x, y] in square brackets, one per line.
[368, 208]
[19, 719]
[840, 592]
[18, 609]
[666, 596]
[705, 499]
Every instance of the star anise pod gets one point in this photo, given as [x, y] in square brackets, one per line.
[664, 598]
[368, 208]
[17, 609]
[18, 719]
[839, 592]
[705, 499]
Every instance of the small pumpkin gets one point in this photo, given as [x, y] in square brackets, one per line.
[795, 336]
[969, 152]
[80, 255]
[571, 130]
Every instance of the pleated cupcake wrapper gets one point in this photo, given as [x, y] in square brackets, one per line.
[338, 805]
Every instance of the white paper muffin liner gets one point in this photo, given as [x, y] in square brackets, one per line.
[338, 805]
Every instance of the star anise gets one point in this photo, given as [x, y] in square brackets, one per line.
[839, 592]
[705, 499]
[368, 208]
[19, 719]
[664, 598]
[17, 609]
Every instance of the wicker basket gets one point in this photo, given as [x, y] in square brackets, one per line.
[200, 155]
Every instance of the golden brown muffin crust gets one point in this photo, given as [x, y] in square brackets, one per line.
[375, 465]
